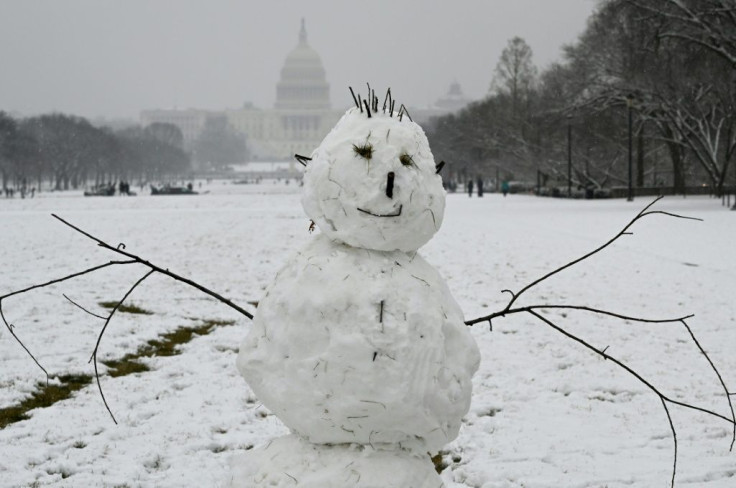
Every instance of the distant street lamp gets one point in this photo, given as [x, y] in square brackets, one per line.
[629, 104]
[569, 156]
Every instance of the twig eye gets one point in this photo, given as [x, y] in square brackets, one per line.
[365, 151]
[406, 160]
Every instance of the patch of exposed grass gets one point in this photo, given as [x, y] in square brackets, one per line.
[125, 308]
[167, 345]
[45, 396]
[440, 464]
[65, 473]
[125, 366]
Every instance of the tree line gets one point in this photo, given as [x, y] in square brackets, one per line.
[66, 151]
[668, 66]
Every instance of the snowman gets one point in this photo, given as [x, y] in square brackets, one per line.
[358, 346]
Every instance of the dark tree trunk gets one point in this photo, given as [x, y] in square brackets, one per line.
[640, 158]
[676, 156]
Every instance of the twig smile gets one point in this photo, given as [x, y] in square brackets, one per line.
[395, 214]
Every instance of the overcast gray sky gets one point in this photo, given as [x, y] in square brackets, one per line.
[115, 58]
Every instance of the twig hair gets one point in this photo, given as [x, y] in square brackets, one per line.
[371, 103]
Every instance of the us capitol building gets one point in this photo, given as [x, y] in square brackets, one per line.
[301, 116]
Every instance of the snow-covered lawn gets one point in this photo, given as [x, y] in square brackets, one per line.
[545, 412]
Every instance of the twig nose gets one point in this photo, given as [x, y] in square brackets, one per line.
[390, 185]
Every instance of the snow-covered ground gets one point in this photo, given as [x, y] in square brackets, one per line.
[545, 412]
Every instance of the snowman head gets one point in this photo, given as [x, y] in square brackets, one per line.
[373, 183]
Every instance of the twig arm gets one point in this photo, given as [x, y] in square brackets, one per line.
[628, 369]
[131, 259]
[584, 308]
[625, 231]
[157, 269]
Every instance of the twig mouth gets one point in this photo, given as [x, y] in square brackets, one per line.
[395, 214]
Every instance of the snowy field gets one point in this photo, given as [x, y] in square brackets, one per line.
[545, 412]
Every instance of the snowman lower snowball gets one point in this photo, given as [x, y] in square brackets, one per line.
[358, 346]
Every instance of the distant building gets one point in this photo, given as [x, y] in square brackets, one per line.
[189, 121]
[114, 123]
[300, 119]
[452, 102]
[301, 116]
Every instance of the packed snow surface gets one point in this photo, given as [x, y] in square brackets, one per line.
[289, 460]
[346, 185]
[544, 411]
[357, 346]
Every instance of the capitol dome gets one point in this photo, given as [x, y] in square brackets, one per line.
[454, 100]
[303, 84]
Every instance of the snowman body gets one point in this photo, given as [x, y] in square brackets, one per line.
[358, 346]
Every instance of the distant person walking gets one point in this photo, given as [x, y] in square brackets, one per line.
[505, 188]
[470, 188]
[480, 187]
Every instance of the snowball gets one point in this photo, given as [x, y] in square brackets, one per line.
[350, 196]
[357, 346]
[290, 461]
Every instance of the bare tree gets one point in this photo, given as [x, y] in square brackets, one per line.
[515, 72]
[219, 144]
[8, 133]
[167, 133]
[707, 23]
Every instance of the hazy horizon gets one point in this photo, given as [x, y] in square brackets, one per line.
[113, 59]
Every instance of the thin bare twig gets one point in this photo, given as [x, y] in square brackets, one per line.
[720, 378]
[10, 328]
[82, 308]
[93, 359]
[354, 99]
[68, 277]
[674, 438]
[302, 159]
